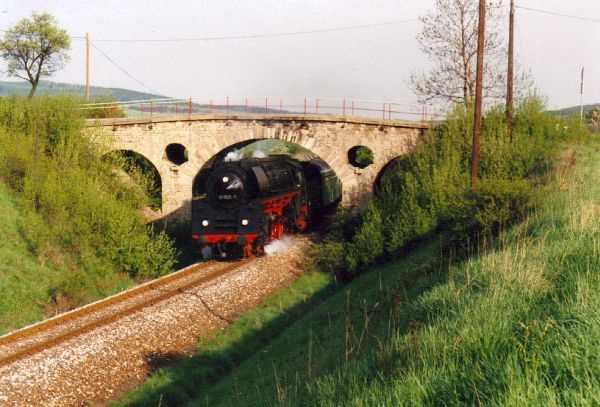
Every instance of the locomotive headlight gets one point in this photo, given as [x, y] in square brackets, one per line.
[205, 223]
[225, 180]
[245, 222]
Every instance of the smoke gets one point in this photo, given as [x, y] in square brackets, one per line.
[206, 252]
[237, 155]
[259, 154]
[234, 155]
[279, 246]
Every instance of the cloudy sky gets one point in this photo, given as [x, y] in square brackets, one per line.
[316, 48]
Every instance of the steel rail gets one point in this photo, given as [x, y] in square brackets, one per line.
[159, 284]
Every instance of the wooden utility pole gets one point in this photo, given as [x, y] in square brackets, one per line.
[510, 73]
[581, 97]
[478, 94]
[87, 66]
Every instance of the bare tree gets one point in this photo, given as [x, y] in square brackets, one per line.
[449, 39]
[35, 48]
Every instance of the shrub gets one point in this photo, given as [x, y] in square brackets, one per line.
[429, 189]
[76, 206]
[327, 257]
[493, 204]
[368, 242]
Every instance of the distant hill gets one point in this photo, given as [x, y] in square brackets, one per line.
[96, 92]
[122, 95]
[574, 110]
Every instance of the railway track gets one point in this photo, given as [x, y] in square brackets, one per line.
[33, 339]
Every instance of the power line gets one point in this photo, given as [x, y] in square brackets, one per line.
[291, 33]
[123, 70]
[594, 20]
[253, 36]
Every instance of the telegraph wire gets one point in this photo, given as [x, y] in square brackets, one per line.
[317, 31]
[594, 20]
[123, 70]
[292, 33]
[254, 36]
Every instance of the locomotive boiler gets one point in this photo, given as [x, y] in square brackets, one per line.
[253, 201]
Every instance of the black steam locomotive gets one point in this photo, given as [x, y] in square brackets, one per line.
[253, 201]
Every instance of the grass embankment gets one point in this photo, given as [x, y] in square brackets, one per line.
[70, 225]
[515, 324]
[22, 276]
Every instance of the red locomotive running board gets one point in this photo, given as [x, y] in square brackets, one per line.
[274, 206]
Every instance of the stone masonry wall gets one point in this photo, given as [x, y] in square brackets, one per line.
[329, 137]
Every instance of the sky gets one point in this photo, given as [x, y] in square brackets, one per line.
[331, 48]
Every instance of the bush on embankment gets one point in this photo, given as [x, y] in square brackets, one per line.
[77, 210]
[430, 189]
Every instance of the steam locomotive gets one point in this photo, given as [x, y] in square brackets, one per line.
[253, 201]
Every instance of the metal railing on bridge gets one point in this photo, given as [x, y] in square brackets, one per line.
[228, 105]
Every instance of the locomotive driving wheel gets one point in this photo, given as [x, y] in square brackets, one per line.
[259, 246]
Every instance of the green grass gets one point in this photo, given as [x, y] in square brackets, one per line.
[26, 281]
[517, 323]
[19, 273]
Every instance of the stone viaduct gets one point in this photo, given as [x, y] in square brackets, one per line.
[333, 138]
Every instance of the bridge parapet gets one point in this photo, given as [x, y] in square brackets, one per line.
[383, 110]
[258, 117]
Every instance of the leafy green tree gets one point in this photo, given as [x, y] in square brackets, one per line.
[34, 48]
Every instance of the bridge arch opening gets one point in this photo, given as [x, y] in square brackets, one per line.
[141, 171]
[360, 156]
[199, 183]
[177, 153]
[387, 180]
[256, 202]
[246, 149]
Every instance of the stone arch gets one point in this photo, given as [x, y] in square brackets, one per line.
[175, 197]
[176, 153]
[293, 149]
[360, 156]
[395, 161]
[135, 158]
[199, 178]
